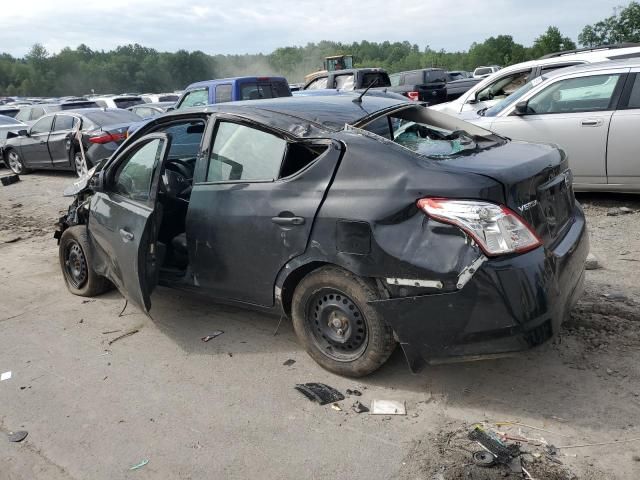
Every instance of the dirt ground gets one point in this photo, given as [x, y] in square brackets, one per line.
[227, 408]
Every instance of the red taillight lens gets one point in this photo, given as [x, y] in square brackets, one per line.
[415, 96]
[495, 228]
[107, 137]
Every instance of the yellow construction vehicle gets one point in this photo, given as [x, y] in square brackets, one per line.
[335, 62]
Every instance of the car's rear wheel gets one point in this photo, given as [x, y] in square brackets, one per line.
[15, 162]
[338, 328]
[75, 262]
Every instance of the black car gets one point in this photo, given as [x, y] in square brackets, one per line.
[425, 85]
[51, 142]
[369, 221]
[30, 113]
[350, 79]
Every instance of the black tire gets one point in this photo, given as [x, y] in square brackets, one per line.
[75, 263]
[14, 161]
[362, 343]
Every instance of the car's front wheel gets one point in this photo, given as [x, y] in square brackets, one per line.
[338, 328]
[16, 163]
[75, 262]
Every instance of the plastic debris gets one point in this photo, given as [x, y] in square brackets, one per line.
[490, 441]
[482, 458]
[5, 376]
[356, 393]
[7, 180]
[388, 407]
[359, 407]
[319, 392]
[289, 362]
[336, 407]
[18, 436]
[139, 465]
[215, 334]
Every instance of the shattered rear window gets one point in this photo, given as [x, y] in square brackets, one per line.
[418, 129]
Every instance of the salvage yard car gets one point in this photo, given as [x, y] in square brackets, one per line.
[50, 143]
[590, 111]
[369, 221]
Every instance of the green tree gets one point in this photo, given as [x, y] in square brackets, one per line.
[622, 26]
[551, 41]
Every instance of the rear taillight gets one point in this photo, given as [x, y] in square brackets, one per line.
[107, 137]
[495, 228]
[415, 96]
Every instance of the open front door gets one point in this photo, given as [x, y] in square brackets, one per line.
[125, 218]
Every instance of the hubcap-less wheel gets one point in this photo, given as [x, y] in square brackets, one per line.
[14, 162]
[338, 326]
[75, 265]
[81, 168]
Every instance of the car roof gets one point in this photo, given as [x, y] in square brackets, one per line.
[593, 67]
[290, 113]
[215, 81]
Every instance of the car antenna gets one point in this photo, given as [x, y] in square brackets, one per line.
[359, 99]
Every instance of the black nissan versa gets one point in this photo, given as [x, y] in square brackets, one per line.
[369, 221]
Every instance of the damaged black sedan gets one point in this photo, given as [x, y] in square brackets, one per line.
[368, 221]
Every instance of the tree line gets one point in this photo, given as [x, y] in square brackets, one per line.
[135, 68]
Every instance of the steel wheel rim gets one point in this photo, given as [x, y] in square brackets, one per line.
[338, 328]
[75, 265]
[81, 168]
[14, 162]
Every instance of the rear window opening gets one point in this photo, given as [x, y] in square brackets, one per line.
[381, 79]
[431, 133]
[299, 156]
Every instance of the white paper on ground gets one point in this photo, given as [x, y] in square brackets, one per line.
[388, 407]
[5, 376]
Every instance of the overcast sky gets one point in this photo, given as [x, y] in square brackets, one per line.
[251, 26]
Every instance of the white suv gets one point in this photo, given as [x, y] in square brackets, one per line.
[507, 80]
[482, 72]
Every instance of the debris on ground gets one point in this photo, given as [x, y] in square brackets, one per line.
[358, 407]
[592, 263]
[7, 180]
[388, 407]
[289, 362]
[215, 334]
[17, 437]
[336, 407]
[5, 376]
[124, 335]
[139, 465]
[355, 393]
[111, 331]
[319, 392]
[13, 240]
[483, 451]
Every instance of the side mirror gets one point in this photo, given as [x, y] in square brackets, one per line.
[521, 108]
[23, 133]
[96, 183]
[170, 109]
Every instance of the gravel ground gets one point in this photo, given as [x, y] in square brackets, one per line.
[227, 409]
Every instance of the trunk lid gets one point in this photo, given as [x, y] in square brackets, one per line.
[537, 183]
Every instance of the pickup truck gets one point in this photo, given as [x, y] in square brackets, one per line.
[350, 79]
[424, 85]
[223, 90]
[456, 88]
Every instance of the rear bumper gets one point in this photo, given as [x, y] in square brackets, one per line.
[509, 305]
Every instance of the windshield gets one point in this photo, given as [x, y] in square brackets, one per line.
[431, 134]
[511, 99]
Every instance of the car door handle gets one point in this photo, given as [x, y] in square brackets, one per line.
[288, 220]
[591, 122]
[126, 235]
